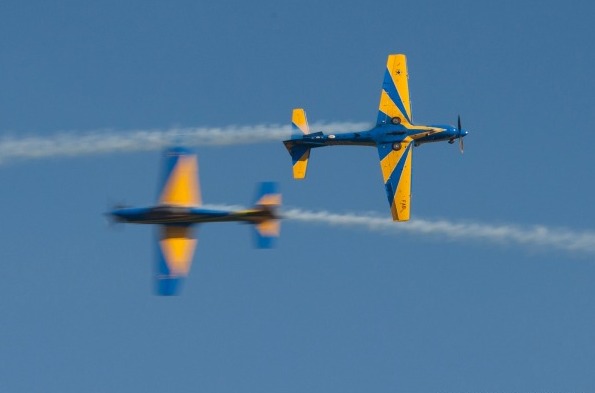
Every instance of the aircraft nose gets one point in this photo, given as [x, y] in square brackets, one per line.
[115, 215]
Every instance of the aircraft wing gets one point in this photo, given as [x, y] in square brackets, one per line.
[394, 105]
[175, 249]
[180, 184]
[395, 163]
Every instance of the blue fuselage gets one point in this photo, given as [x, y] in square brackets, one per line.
[385, 133]
[181, 215]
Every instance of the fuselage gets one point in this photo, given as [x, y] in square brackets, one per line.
[182, 215]
[384, 133]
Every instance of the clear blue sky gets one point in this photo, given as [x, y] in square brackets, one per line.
[331, 309]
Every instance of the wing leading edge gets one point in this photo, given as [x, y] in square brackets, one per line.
[395, 163]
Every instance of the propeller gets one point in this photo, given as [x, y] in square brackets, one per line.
[460, 129]
[109, 218]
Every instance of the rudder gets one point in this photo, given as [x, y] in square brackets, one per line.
[268, 200]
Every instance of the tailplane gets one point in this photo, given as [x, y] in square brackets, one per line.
[268, 227]
[299, 153]
[299, 122]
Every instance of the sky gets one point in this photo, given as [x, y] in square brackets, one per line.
[497, 297]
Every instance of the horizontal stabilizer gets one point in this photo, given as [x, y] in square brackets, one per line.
[299, 156]
[299, 122]
[267, 194]
[266, 233]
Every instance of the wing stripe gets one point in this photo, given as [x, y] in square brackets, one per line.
[177, 247]
[181, 186]
[394, 98]
[175, 251]
[390, 88]
[300, 156]
[396, 172]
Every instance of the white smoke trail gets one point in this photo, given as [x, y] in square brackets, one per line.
[73, 143]
[70, 144]
[537, 236]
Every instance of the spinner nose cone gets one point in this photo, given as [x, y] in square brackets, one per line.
[121, 214]
[115, 215]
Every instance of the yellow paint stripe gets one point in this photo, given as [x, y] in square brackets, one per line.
[178, 247]
[390, 161]
[388, 107]
[423, 131]
[269, 200]
[400, 207]
[397, 66]
[182, 186]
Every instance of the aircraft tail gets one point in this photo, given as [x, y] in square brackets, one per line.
[267, 228]
[299, 153]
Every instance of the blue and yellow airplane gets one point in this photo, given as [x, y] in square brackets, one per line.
[179, 208]
[394, 135]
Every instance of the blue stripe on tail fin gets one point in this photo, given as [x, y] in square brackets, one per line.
[267, 229]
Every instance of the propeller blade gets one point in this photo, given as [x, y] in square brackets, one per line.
[461, 145]
[110, 219]
[460, 129]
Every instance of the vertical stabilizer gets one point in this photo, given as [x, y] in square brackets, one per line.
[267, 229]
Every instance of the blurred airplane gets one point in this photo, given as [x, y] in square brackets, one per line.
[394, 135]
[178, 209]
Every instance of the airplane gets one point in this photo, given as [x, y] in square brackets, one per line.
[394, 135]
[179, 208]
